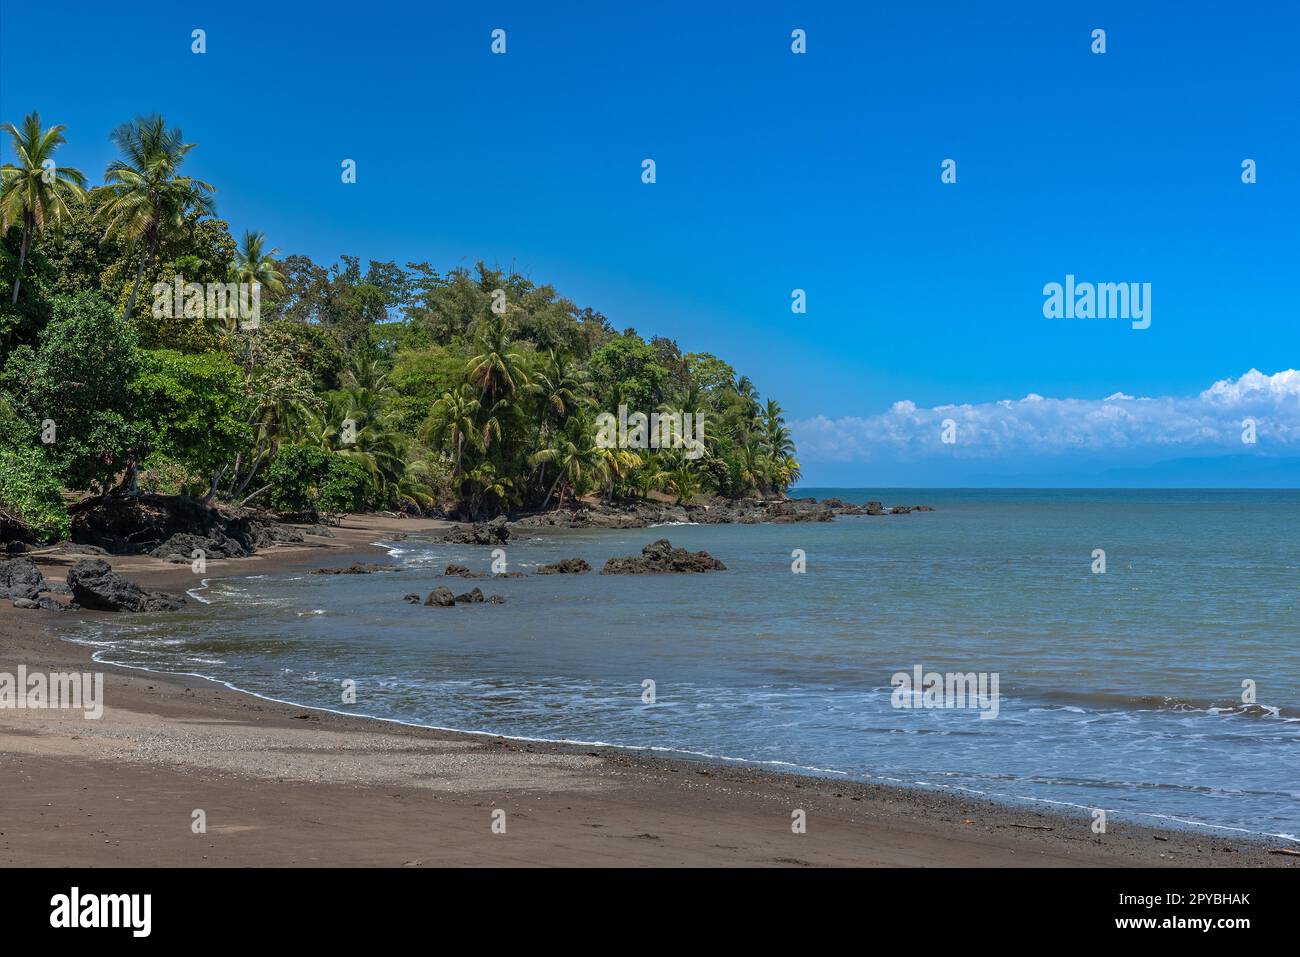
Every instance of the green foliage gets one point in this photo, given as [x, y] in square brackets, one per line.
[375, 386]
[627, 371]
[29, 495]
[294, 476]
[345, 485]
[192, 404]
[78, 376]
[304, 477]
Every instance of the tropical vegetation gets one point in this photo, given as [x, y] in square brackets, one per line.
[381, 386]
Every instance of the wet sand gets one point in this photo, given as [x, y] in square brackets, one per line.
[280, 785]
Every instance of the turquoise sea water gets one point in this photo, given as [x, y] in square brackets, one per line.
[1120, 690]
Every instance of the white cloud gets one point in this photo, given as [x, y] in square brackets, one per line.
[1036, 425]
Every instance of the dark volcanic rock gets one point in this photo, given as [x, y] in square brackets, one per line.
[130, 525]
[801, 511]
[472, 597]
[495, 532]
[460, 571]
[661, 558]
[20, 578]
[182, 546]
[72, 548]
[567, 566]
[95, 585]
[441, 596]
[46, 604]
[356, 568]
[173, 526]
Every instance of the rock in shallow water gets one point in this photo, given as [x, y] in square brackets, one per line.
[659, 558]
[566, 566]
[441, 596]
[356, 568]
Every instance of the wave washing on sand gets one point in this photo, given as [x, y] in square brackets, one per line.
[792, 671]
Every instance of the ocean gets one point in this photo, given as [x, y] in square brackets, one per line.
[1164, 690]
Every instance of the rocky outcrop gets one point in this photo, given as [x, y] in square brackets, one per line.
[95, 585]
[495, 532]
[174, 526]
[441, 596]
[660, 558]
[460, 571]
[802, 511]
[719, 511]
[43, 604]
[566, 566]
[182, 546]
[20, 578]
[356, 568]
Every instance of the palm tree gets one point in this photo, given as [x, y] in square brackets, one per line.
[35, 193]
[485, 480]
[615, 465]
[560, 387]
[577, 459]
[778, 447]
[145, 198]
[453, 422]
[683, 482]
[496, 369]
[254, 265]
[776, 437]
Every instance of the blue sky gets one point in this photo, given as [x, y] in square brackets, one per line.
[775, 171]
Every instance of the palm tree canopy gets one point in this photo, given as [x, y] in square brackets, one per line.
[37, 190]
[145, 195]
[253, 264]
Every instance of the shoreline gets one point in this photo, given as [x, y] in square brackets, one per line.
[317, 787]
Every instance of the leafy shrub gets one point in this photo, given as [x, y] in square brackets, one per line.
[293, 477]
[303, 477]
[345, 486]
[29, 495]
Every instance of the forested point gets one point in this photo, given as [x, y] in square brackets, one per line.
[467, 393]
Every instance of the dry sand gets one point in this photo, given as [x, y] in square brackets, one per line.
[282, 785]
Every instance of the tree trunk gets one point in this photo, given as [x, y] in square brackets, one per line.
[552, 491]
[139, 275]
[254, 495]
[131, 481]
[22, 258]
[212, 486]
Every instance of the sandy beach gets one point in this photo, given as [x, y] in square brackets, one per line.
[281, 785]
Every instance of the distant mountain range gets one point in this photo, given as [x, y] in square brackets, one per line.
[1209, 471]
